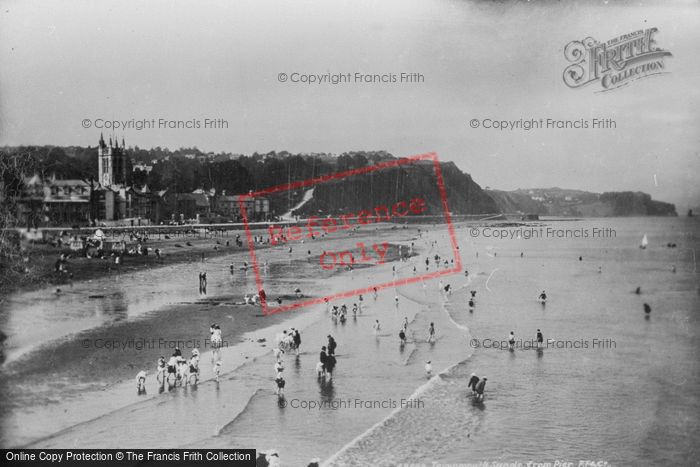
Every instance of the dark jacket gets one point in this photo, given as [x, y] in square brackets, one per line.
[330, 363]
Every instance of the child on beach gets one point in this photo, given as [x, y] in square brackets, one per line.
[194, 365]
[141, 380]
[216, 342]
[160, 369]
[280, 384]
[402, 336]
[278, 354]
[217, 370]
[431, 333]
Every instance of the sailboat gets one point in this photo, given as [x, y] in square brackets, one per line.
[644, 243]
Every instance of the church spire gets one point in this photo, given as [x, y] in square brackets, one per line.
[102, 140]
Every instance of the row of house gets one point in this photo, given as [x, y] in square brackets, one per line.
[110, 198]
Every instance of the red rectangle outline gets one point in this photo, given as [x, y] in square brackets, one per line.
[363, 170]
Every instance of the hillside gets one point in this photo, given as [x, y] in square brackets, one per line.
[403, 183]
[578, 203]
[188, 169]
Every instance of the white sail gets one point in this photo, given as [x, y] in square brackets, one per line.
[644, 243]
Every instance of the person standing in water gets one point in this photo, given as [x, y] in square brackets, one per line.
[331, 345]
[280, 384]
[323, 357]
[330, 366]
[480, 389]
[296, 337]
[473, 381]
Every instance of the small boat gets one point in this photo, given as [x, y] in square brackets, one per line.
[644, 243]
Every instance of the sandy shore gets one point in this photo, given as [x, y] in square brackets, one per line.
[41, 258]
[98, 360]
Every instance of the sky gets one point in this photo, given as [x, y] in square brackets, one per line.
[68, 61]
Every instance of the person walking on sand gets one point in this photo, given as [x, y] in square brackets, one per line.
[540, 339]
[376, 326]
[511, 341]
[431, 333]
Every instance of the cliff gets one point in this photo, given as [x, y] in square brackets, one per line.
[402, 183]
[578, 203]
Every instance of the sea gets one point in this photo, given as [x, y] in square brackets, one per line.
[611, 383]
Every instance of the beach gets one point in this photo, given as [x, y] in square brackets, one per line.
[565, 401]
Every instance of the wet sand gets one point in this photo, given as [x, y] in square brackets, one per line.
[78, 371]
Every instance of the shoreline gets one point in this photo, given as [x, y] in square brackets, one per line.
[80, 370]
[248, 349]
[338, 458]
[41, 259]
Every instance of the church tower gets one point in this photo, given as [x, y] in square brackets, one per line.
[111, 163]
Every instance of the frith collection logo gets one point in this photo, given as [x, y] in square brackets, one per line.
[615, 63]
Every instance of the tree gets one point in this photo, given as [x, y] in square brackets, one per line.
[14, 167]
